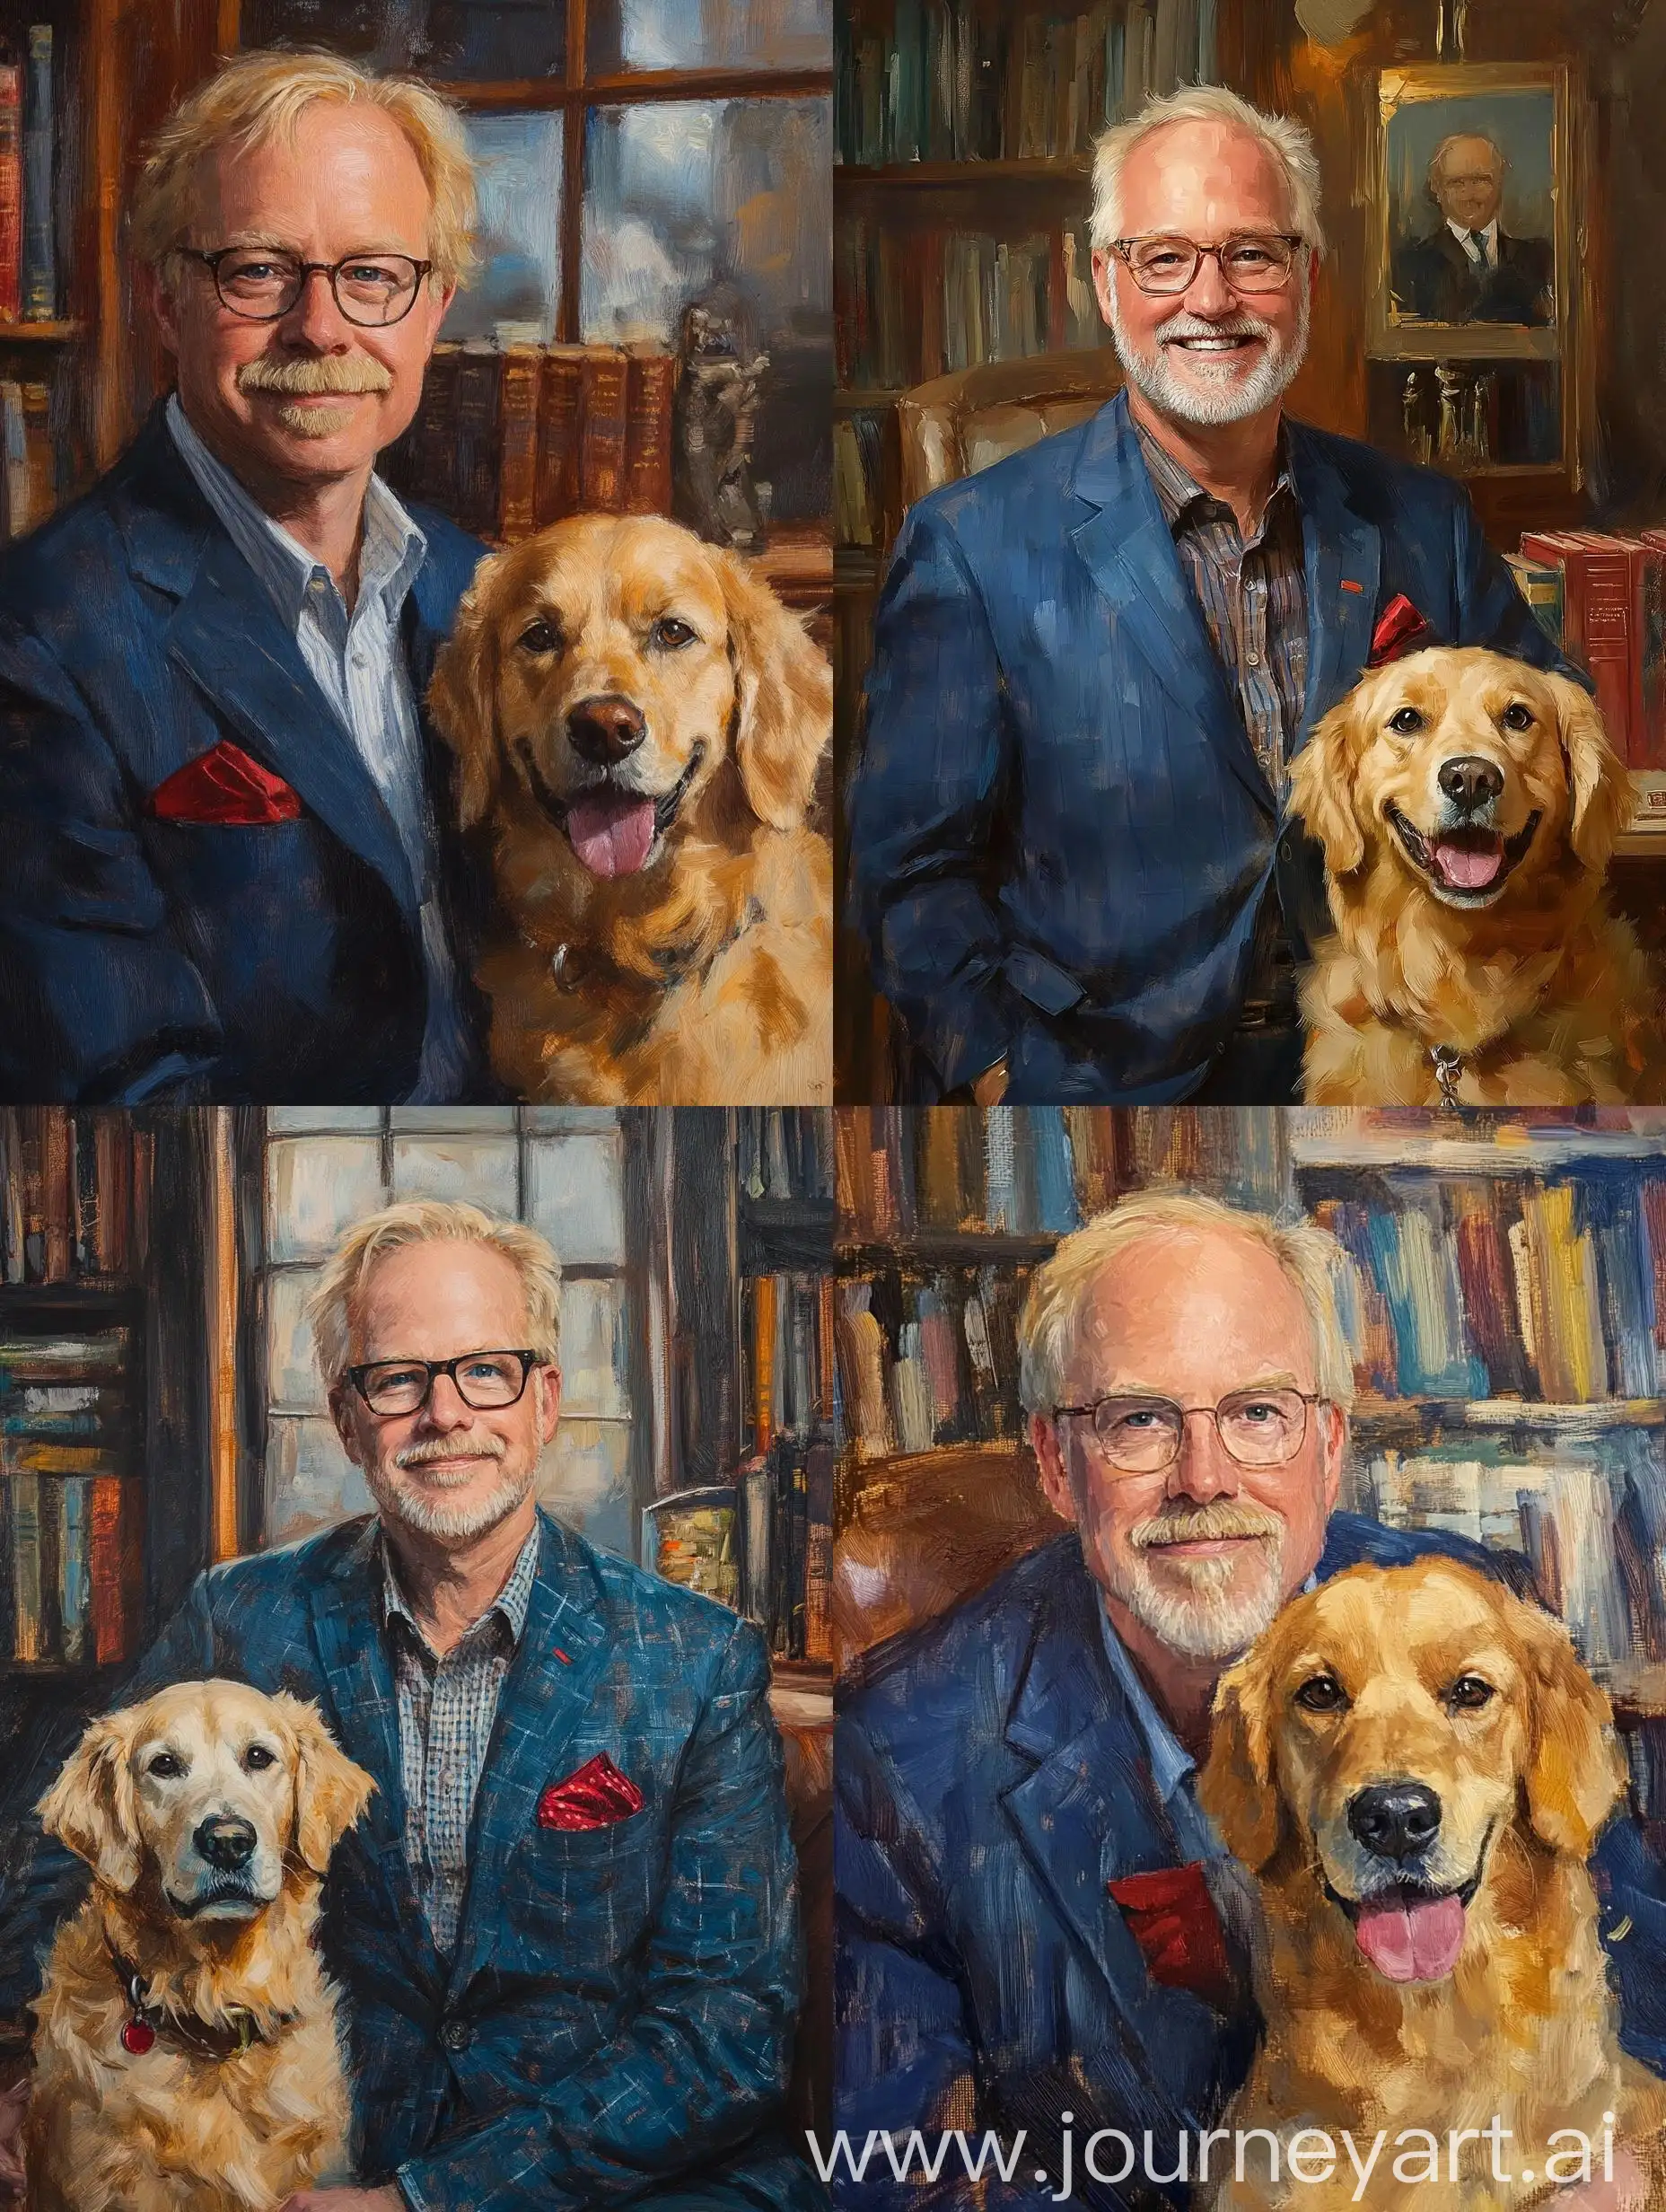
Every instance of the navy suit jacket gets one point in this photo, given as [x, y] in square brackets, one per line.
[141, 959]
[1060, 836]
[991, 1780]
[616, 2020]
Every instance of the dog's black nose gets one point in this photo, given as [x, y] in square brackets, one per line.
[606, 728]
[1395, 1819]
[225, 1842]
[1469, 782]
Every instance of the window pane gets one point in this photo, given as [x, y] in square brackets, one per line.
[449, 1121]
[516, 288]
[310, 1480]
[710, 34]
[593, 1351]
[574, 1193]
[479, 1168]
[682, 195]
[291, 1371]
[585, 1482]
[315, 1187]
[305, 1120]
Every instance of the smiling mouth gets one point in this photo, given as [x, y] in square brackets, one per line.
[1412, 1931]
[219, 1897]
[612, 830]
[1466, 866]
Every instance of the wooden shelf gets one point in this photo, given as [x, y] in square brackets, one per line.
[943, 1248]
[39, 333]
[1513, 1151]
[1072, 169]
[856, 398]
[1377, 1415]
[75, 1300]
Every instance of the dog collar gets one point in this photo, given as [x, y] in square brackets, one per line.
[574, 967]
[147, 2024]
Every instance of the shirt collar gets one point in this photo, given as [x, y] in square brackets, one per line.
[1171, 1764]
[510, 1605]
[1179, 491]
[1463, 233]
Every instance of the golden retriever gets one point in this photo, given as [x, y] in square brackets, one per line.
[1467, 806]
[1414, 1764]
[639, 723]
[186, 2051]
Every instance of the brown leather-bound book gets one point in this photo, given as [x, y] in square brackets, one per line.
[475, 415]
[517, 467]
[433, 456]
[561, 404]
[652, 384]
[42, 453]
[601, 437]
[117, 1568]
[58, 1190]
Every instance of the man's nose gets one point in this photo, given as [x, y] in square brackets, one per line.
[446, 1408]
[1202, 1468]
[315, 320]
[1208, 292]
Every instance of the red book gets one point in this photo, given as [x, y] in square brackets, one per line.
[517, 466]
[559, 412]
[117, 1568]
[1653, 653]
[11, 191]
[651, 384]
[601, 438]
[1596, 599]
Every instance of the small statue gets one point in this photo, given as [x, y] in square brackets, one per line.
[717, 408]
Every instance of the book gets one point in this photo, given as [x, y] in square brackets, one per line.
[651, 385]
[29, 1640]
[1596, 618]
[40, 448]
[517, 466]
[11, 191]
[1539, 583]
[74, 1571]
[561, 402]
[15, 490]
[40, 281]
[603, 426]
[433, 458]
[117, 1567]
[477, 400]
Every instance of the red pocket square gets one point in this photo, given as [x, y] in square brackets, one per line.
[226, 788]
[1400, 629]
[1172, 1916]
[594, 1796]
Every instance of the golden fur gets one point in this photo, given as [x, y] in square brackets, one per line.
[1523, 2025]
[705, 974]
[1543, 992]
[169, 2129]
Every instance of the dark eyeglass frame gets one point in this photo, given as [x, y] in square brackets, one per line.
[1123, 248]
[303, 270]
[1092, 1412]
[359, 1378]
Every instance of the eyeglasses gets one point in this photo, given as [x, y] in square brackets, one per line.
[482, 1379]
[370, 289]
[1142, 1436]
[1248, 260]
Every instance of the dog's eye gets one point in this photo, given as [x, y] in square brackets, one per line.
[258, 1757]
[1406, 722]
[540, 637]
[1321, 1693]
[166, 1767]
[670, 633]
[1468, 1694]
[1516, 716]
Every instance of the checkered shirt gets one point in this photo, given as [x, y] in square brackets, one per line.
[1253, 593]
[447, 1709]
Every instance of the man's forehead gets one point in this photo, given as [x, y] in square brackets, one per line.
[352, 164]
[1192, 1297]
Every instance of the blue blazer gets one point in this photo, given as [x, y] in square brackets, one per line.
[617, 2015]
[141, 959]
[991, 1780]
[1060, 836]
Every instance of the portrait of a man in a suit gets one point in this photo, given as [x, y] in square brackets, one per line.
[1468, 268]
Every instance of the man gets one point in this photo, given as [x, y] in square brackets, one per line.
[1468, 270]
[1014, 1776]
[1093, 661]
[230, 870]
[567, 1930]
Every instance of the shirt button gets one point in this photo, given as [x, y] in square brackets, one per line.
[456, 2034]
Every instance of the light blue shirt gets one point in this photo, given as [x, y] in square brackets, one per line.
[1172, 1766]
[357, 662]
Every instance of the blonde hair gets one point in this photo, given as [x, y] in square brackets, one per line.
[1311, 1257]
[332, 1308]
[1290, 143]
[256, 98]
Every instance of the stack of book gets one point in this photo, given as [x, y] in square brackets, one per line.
[28, 261]
[793, 1422]
[509, 439]
[956, 81]
[72, 1194]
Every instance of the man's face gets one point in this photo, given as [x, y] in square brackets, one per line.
[1205, 356]
[1469, 183]
[1203, 1553]
[348, 182]
[448, 1470]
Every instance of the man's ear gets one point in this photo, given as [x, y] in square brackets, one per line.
[1577, 1770]
[331, 1791]
[1237, 1788]
[1321, 791]
[1048, 1447]
[549, 1415]
[91, 1807]
[160, 294]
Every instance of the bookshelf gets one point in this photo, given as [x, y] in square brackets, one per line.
[1506, 1310]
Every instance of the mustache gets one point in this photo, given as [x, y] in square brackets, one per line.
[345, 372]
[484, 1446]
[1203, 1523]
[1240, 324]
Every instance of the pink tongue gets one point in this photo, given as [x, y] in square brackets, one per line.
[1471, 867]
[1417, 1940]
[612, 832]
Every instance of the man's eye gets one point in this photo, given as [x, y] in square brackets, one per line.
[672, 632]
[540, 637]
[1406, 722]
[1321, 1693]
[166, 1767]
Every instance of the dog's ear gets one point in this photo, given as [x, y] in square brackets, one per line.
[1237, 1788]
[463, 696]
[91, 1806]
[1598, 780]
[331, 1791]
[1321, 791]
[783, 699]
[1575, 1769]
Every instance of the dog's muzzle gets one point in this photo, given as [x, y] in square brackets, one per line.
[1467, 862]
[613, 830]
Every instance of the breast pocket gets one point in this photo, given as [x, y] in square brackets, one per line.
[590, 1887]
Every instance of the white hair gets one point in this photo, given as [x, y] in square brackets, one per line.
[1290, 143]
[1457, 138]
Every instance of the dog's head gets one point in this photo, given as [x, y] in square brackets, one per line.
[1388, 1734]
[624, 680]
[209, 1793]
[1463, 773]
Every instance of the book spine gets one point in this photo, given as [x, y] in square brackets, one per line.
[651, 387]
[434, 442]
[517, 468]
[11, 192]
[39, 265]
[601, 438]
[74, 1571]
[560, 416]
[28, 1628]
[818, 1470]
[475, 413]
[42, 452]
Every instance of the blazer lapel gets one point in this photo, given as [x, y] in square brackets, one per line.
[1130, 553]
[1343, 560]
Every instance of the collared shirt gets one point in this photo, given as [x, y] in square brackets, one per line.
[1489, 241]
[1253, 594]
[447, 1709]
[1172, 1766]
[358, 663]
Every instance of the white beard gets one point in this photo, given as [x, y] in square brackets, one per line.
[1204, 1621]
[417, 1509]
[1234, 397]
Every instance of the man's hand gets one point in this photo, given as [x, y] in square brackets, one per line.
[990, 1087]
[346, 2201]
[14, 2104]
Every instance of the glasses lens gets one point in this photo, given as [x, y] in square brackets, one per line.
[1261, 1428]
[397, 1386]
[259, 284]
[1163, 264]
[376, 289]
[490, 1379]
[1139, 1435]
[1256, 262]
